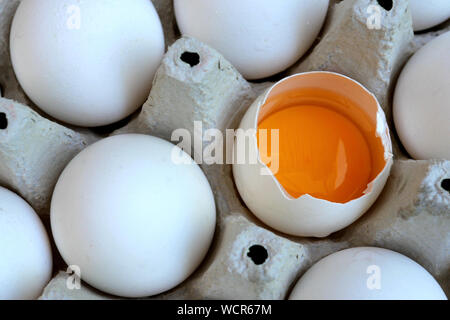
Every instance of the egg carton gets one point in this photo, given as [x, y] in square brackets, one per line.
[247, 259]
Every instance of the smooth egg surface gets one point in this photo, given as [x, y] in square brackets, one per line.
[421, 107]
[136, 222]
[259, 37]
[89, 62]
[429, 13]
[367, 273]
[25, 251]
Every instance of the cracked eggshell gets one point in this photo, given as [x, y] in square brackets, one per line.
[259, 37]
[134, 221]
[421, 106]
[367, 273]
[429, 13]
[86, 63]
[306, 215]
[25, 252]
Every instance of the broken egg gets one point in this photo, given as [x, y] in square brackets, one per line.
[367, 273]
[430, 13]
[25, 251]
[86, 63]
[259, 37]
[421, 109]
[135, 222]
[313, 155]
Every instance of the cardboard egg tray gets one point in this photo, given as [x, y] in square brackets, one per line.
[412, 215]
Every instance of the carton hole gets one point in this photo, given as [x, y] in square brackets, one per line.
[3, 121]
[258, 254]
[191, 58]
[445, 184]
[386, 4]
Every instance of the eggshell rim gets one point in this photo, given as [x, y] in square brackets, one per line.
[382, 131]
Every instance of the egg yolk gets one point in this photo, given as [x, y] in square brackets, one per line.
[321, 152]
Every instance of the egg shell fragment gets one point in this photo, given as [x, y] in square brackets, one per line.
[306, 215]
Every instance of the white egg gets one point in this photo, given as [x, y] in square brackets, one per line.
[307, 215]
[367, 273]
[90, 62]
[25, 252]
[134, 221]
[429, 13]
[422, 101]
[259, 37]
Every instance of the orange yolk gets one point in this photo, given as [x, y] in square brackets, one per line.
[321, 153]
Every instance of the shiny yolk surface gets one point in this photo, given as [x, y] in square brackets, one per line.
[321, 153]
